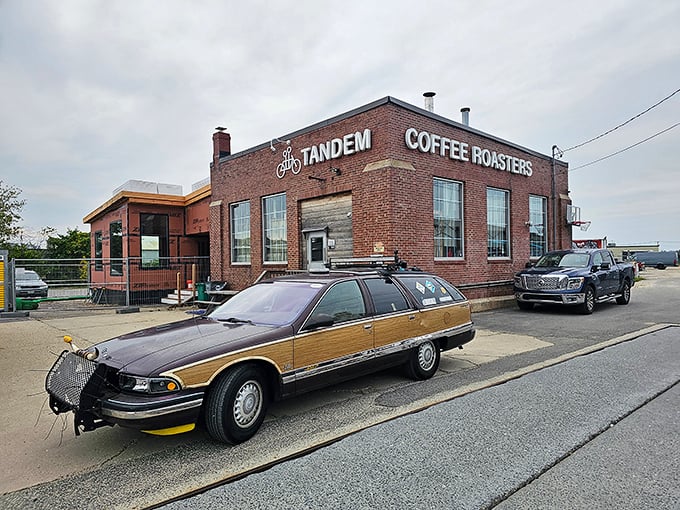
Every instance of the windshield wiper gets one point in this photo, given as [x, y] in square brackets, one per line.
[236, 320]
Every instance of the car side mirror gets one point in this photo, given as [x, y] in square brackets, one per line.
[605, 265]
[529, 265]
[322, 320]
[594, 268]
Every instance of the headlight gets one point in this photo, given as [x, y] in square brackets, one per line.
[518, 282]
[148, 384]
[575, 283]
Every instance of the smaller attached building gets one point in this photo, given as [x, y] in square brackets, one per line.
[143, 236]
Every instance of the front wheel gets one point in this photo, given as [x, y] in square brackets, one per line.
[423, 361]
[589, 301]
[236, 406]
[624, 298]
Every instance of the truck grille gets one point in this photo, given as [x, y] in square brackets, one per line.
[67, 378]
[546, 282]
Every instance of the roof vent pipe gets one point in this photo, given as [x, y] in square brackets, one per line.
[465, 115]
[429, 101]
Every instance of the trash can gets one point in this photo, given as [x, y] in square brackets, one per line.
[200, 292]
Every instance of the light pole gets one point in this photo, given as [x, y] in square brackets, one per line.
[556, 153]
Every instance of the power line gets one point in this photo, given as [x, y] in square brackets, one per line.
[629, 147]
[621, 125]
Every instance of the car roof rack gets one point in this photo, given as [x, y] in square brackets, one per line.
[380, 263]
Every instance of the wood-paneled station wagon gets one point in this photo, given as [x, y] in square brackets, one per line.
[272, 340]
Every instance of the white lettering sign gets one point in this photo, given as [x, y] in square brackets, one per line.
[337, 147]
[461, 151]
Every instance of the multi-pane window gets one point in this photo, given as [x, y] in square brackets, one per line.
[98, 251]
[448, 218]
[538, 218]
[275, 241]
[240, 233]
[498, 223]
[116, 247]
[155, 240]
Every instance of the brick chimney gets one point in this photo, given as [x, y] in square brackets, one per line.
[221, 144]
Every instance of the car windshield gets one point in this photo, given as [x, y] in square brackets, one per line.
[28, 275]
[274, 303]
[560, 259]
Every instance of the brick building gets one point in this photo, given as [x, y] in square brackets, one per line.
[386, 176]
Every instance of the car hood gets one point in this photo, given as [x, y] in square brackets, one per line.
[538, 271]
[153, 350]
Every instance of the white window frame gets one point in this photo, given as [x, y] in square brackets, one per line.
[538, 223]
[495, 217]
[240, 229]
[453, 204]
[280, 229]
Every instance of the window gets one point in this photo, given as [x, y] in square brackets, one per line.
[275, 242]
[155, 240]
[430, 291]
[98, 252]
[386, 296]
[240, 233]
[497, 223]
[538, 241]
[448, 218]
[343, 302]
[116, 247]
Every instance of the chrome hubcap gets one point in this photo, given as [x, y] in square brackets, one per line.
[426, 356]
[247, 404]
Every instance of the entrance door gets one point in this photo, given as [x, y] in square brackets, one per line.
[317, 248]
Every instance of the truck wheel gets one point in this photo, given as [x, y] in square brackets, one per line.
[589, 302]
[525, 306]
[236, 406]
[624, 298]
[423, 361]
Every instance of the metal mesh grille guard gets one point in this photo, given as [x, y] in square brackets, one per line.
[67, 378]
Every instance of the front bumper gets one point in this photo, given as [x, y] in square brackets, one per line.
[571, 298]
[82, 386]
[150, 412]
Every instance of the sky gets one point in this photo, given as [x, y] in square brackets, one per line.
[94, 93]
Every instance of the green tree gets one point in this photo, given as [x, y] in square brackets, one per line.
[10, 213]
[72, 245]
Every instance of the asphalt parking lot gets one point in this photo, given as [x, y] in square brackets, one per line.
[40, 448]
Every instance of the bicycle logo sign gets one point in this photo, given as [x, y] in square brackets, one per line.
[288, 163]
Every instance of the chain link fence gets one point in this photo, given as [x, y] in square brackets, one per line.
[102, 282]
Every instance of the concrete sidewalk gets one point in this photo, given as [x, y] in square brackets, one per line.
[39, 446]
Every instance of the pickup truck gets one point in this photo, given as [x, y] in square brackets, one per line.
[578, 278]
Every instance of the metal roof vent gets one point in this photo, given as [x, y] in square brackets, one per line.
[429, 101]
[465, 115]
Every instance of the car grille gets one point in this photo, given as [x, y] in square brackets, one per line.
[537, 282]
[67, 378]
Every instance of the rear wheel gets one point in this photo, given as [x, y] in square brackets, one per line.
[423, 361]
[589, 301]
[237, 404]
[624, 298]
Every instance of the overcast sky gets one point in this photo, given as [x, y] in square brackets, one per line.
[93, 93]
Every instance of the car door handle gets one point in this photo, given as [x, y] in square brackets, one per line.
[411, 317]
[368, 326]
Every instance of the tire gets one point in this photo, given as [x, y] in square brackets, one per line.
[588, 305]
[423, 361]
[525, 306]
[236, 406]
[624, 298]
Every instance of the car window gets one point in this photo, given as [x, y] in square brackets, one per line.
[274, 303]
[343, 302]
[597, 259]
[431, 291]
[387, 298]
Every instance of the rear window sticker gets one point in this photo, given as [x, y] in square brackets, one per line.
[429, 301]
[430, 286]
[420, 288]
